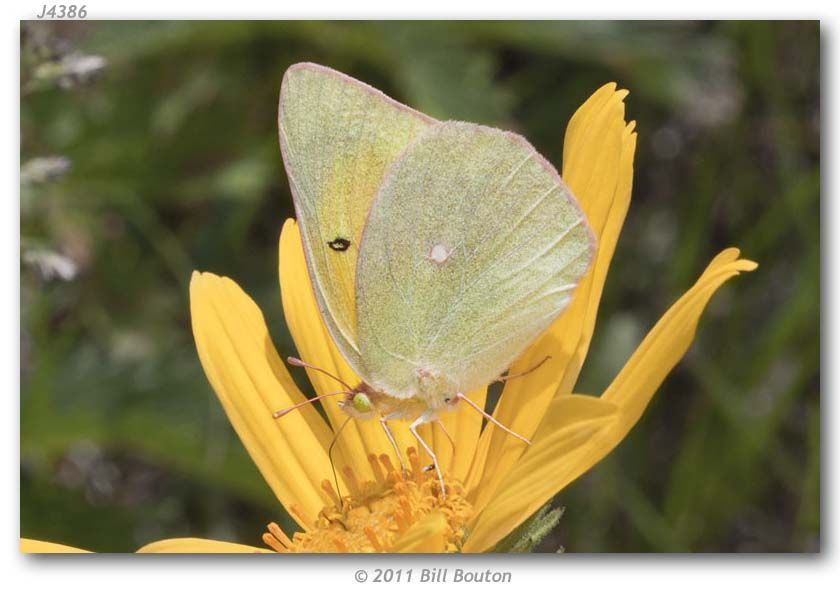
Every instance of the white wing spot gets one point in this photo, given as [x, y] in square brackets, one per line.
[440, 253]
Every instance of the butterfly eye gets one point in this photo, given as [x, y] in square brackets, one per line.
[361, 402]
[339, 244]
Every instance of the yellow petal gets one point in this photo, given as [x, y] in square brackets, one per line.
[598, 168]
[578, 431]
[199, 546]
[315, 345]
[426, 536]
[252, 383]
[608, 219]
[28, 546]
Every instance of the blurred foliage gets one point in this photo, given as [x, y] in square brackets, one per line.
[148, 149]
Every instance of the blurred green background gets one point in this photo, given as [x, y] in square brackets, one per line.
[148, 149]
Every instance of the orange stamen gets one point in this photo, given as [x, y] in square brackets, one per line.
[328, 488]
[270, 541]
[401, 524]
[406, 507]
[374, 540]
[275, 530]
[386, 462]
[339, 544]
[352, 482]
[377, 470]
[298, 512]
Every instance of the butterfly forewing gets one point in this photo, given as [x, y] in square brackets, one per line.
[338, 136]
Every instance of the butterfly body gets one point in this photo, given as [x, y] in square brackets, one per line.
[365, 402]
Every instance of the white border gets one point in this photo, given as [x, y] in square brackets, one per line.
[571, 576]
[435, 9]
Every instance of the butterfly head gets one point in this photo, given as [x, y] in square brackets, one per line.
[360, 402]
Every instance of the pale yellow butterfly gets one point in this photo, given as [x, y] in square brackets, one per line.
[438, 251]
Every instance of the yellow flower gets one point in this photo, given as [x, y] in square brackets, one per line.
[494, 482]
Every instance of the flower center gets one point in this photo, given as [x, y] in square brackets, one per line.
[375, 513]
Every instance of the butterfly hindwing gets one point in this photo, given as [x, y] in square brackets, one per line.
[472, 247]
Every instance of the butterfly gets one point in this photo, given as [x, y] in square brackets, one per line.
[437, 250]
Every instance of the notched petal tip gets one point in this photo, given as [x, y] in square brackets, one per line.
[729, 259]
[196, 277]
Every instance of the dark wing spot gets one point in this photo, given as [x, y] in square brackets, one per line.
[339, 244]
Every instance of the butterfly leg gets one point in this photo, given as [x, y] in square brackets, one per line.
[383, 421]
[428, 417]
[446, 433]
[504, 378]
[448, 437]
[490, 418]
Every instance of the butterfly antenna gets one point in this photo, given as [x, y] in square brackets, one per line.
[490, 418]
[296, 362]
[523, 373]
[284, 411]
[332, 462]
